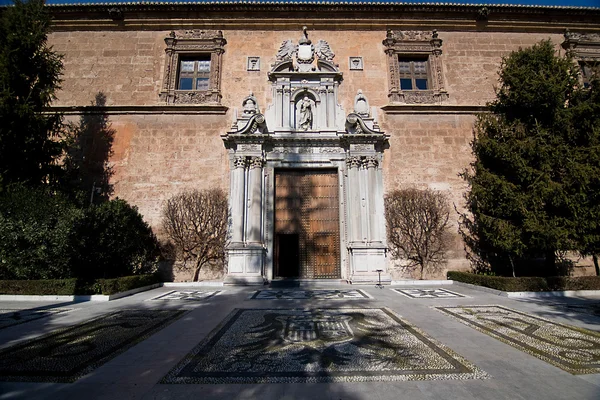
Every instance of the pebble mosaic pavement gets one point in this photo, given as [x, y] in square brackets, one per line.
[67, 354]
[572, 349]
[322, 294]
[428, 293]
[318, 345]
[15, 317]
[187, 295]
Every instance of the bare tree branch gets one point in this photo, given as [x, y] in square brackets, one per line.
[196, 223]
[417, 227]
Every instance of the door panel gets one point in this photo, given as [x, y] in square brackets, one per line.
[307, 205]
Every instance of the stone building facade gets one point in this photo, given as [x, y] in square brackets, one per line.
[305, 114]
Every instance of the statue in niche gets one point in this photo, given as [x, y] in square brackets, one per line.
[250, 106]
[361, 104]
[305, 114]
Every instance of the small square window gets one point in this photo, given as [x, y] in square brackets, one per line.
[194, 69]
[413, 73]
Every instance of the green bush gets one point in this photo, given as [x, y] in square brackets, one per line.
[117, 285]
[527, 284]
[44, 235]
[36, 231]
[74, 286]
[112, 240]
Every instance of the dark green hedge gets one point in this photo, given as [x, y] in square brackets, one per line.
[76, 286]
[527, 284]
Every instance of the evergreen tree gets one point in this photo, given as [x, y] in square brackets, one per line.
[29, 76]
[536, 162]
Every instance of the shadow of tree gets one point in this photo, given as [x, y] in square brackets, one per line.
[576, 309]
[89, 148]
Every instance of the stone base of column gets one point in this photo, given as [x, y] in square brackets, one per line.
[365, 260]
[245, 264]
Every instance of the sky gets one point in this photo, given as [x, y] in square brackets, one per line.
[572, 3]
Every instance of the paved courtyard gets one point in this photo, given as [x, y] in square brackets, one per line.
[336, 342]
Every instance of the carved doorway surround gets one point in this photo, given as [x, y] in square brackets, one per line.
[305, 129]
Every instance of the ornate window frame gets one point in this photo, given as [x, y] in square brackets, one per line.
[411, 44]
[193, 43]
[585, 48]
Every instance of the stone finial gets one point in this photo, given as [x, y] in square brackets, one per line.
[304, 39]
[361, 104]
[250, 106]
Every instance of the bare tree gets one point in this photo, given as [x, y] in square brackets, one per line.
[196, 223]
[417, 222]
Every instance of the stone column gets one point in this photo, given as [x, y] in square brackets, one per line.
[373, 190]
[364, 201]
[254, 219]
[237, 199]
[354, 220]
[285, 105]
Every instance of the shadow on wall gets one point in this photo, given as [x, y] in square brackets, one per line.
[89, 148]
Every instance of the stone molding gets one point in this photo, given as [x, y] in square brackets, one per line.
[584, 47]
[412, 43]
[193, 42]
[198, 109]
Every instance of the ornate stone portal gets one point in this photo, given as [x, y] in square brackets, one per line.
[306, 129]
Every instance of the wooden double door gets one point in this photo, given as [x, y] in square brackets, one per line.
[307, 227]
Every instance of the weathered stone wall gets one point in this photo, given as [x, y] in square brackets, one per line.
[157, 155]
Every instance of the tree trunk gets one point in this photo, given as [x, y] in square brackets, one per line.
[595, 258]
[197, 267]
[551, 262]
[512, 265]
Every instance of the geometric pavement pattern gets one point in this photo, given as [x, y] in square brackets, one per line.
[428, 293]
[15, 317]
[319, 294]
[318, 345]
[66, 354]
[572, 349]
[191, 295]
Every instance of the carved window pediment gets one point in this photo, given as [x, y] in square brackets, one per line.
[415, 68]
[195, 45]
[585, 48]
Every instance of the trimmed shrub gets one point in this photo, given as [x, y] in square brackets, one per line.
[117, 285]
[527, 284]
[69, 287]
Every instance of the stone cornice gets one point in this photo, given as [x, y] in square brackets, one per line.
[151, 109]
[322, 15]
[394, 108]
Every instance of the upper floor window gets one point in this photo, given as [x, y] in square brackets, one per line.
[415, 67]
[585, 48]
[192, 72]
[413, 73]
[588, 71]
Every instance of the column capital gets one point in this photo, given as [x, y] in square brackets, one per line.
[256, 162]
[371, 162]
[353, 162]
[239, 162]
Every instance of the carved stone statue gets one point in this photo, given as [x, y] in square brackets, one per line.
[305, 114]
[361, 104]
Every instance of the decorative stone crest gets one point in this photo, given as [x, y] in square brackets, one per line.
[304, 53]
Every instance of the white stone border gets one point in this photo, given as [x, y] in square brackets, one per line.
[415, 282]
[192, 284]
